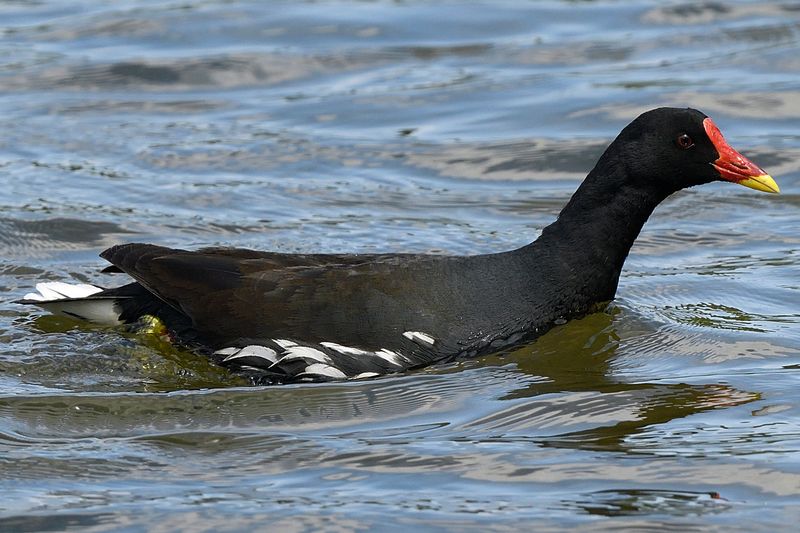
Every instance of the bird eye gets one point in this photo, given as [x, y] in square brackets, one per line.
[684, 141]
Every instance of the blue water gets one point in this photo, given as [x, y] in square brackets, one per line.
[458, 127]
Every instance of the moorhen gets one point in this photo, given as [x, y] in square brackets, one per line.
[317, 317]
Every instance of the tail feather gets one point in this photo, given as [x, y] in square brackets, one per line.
[57, 290]
[76, 300]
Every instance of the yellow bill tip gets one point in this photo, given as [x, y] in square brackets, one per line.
[764, 183]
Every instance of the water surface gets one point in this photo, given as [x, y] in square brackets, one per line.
[409, 126]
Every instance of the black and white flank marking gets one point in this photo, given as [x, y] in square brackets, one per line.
[419, 337]
[282, 358]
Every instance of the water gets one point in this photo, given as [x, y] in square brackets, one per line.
[398, 126]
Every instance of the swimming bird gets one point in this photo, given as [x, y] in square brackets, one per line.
[318, 317]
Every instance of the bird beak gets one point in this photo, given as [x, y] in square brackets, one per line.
[734, 167]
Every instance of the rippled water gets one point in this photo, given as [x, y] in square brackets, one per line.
[398, 126]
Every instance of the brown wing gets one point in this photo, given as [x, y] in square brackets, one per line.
[232, 294]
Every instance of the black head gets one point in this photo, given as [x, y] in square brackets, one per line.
[668, 149]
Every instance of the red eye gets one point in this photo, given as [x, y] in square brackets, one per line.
[684, 141]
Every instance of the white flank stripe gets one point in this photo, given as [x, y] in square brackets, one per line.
[388, 355]
[227, 351]
[254, 350]
[365, 375]
[343, 349]
[320, 369]
[240, 355]
[418, 336]
[305, 353]
[283, 343]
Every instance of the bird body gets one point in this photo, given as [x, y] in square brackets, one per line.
[288, 317]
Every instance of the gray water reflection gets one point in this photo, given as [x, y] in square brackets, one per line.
[397, 126]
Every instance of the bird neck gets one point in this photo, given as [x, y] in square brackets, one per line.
[587, 245]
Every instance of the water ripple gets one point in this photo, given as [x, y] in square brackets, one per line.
[397, 126]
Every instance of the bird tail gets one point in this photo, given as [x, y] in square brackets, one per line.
[82, 301]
